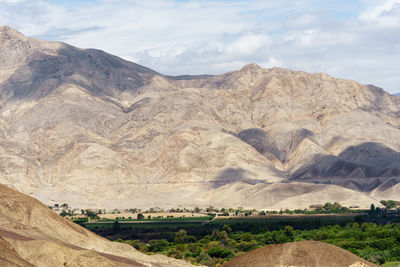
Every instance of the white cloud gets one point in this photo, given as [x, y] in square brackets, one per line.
[11, 1]
[374, 10]
[356, 41]
[248, 44]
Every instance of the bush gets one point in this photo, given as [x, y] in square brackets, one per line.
[194, 249]
[63, 213]
[218, 252]
[158, 245]
[246, 246]
[177, 252]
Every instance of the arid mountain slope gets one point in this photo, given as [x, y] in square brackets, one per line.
[93, 130]
[33, 235]
[302, 253]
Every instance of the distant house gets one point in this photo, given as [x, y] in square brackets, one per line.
[315, 207]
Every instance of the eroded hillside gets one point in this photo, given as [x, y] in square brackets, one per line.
[93, 130]
[33, 235]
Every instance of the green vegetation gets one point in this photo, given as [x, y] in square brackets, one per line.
[391, 264]
[390, 204]
[91, 215]
[372, 234]
[154, 219]
[63, 213]
[375, 243]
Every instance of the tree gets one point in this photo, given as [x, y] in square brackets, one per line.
[227, 228]
[158, 245]
[140, 216]
[116, 227]
[194, 249]
[246, 245]
[218, 252]
[176, 252]
[390, 204]
[181, 236]
[91, 215]
[289, 231]
[219, 235]
[63, 213]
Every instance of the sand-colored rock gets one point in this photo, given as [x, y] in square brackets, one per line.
[93, 130]
[33, 235]
[302, 253]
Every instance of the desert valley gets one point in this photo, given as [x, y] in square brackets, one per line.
[87, 128]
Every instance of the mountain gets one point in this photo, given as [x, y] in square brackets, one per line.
[363, 167]
[301, 253]
[93, 130]
[33, 235]
[398, 94]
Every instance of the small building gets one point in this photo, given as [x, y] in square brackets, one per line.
[315, 207]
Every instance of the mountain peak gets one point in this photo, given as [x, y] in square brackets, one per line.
[8, 33]
[251, 66]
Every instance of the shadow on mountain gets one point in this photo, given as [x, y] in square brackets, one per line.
[363, 167]
[260, 140]
[297, 137]
[232, 175]
[98, 72]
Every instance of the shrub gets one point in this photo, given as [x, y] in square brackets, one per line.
[218, 252]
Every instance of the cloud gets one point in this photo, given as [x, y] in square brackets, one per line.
[11, 1]
[349, 39]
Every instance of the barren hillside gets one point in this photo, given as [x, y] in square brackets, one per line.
[93, 130]
[33, 235]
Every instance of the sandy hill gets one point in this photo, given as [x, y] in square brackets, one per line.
[302, 253]
[33, 235]
[93, 130]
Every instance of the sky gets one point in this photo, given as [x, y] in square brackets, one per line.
[351, 39]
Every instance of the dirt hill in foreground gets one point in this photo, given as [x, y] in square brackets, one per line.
[303, 253]
[33, 235]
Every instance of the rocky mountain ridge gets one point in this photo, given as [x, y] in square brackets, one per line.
[93, 130]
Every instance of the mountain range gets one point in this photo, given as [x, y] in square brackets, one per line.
[87, 128]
